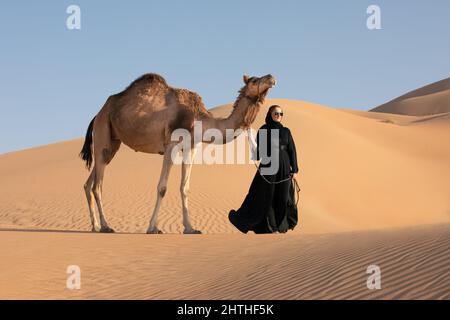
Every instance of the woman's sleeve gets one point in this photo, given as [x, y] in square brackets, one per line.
[292, 153]
[257, 147]
[253, 145]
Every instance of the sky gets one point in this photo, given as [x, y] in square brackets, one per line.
[53, 80]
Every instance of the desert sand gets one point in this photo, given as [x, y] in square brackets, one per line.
[428, 100]
[413, 262]
[374, 190]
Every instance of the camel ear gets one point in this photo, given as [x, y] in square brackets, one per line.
[246, 78]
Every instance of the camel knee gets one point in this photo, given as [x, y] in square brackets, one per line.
[88, 192]
[96, 189]
[184, 191]
[162, 191]
[88, 188]
[88, 185]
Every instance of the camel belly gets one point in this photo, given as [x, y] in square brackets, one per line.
[150, 140]
[147, 129]
[143, 134]
[148, 148]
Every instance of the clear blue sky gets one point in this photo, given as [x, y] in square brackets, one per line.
[54, 80]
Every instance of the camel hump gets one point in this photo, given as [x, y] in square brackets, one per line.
[192, 102]
[148, 79]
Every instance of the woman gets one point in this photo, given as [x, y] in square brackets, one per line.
[269, 206]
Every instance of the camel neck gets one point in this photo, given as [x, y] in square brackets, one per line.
[244, 112]
[236, 120]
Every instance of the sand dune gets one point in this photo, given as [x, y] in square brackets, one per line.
[358, 172]
[413, 264]
[355, 173]
[404, 120]
[428, 100]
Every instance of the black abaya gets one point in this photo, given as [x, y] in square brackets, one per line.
[268, 208]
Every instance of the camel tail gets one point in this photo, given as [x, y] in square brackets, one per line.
[86, 151]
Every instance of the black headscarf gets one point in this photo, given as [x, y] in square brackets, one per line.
[269, 121]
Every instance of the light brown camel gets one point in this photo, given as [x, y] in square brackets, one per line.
[143, 117]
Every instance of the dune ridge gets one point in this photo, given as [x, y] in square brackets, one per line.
[428, 100]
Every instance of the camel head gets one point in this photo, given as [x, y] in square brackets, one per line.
[255, 90]
[258, 87]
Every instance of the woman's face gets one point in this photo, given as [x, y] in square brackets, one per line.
[277, 114]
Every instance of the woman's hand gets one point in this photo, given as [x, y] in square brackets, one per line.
[293, 175]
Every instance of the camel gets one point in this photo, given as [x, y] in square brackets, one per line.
[143, 117]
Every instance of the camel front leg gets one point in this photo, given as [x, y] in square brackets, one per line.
[161, 190]
[184, 188]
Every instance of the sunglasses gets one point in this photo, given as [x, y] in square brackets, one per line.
[278, 113]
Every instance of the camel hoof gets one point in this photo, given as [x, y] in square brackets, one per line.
[192, 231]
[106, 230]
[154, 231]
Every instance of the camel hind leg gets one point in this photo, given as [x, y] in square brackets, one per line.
[90, 199]
[104, 150]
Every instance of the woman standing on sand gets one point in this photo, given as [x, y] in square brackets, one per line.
[269, 206]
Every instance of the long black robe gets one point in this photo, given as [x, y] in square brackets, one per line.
[268, 208]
